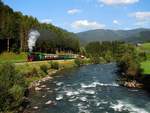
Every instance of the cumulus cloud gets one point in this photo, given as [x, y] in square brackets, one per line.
[47, 21]
[73, 11]
[87, 25]
[118, 2]
[116, 22]
[141, 16]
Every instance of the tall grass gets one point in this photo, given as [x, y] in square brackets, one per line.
[12, 57]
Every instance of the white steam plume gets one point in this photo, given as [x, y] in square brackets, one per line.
[33, 36]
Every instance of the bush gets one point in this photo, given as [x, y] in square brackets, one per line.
[44, 68]
[17, 92]
[78, 62]
[142, 56]
[86, 61]
[129, 65]
[97, 60]
[12, 87]
[32, 73]
[54, 65]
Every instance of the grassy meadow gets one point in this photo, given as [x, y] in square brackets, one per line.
[145, 65]
[13, 57]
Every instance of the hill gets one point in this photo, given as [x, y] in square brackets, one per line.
[134, 35]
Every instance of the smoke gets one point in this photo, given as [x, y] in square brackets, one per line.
[33, 36]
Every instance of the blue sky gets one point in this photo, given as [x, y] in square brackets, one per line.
[82, 15]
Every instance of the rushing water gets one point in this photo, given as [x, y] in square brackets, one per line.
[89, 89]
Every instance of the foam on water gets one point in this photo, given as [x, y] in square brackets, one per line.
[59, 83]
[73, 99]
[59, 97]
[88, 86]
[84, 99]
[91, 92]
[95, 84]
[72, 93]
[82, 108]
[124, 106]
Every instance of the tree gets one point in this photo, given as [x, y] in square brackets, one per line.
[12, 87]
[15, 27]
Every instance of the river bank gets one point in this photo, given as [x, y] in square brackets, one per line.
[36, 83]
[91, 89]
[35, 74]
[131, 83]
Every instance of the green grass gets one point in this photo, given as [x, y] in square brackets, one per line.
[12, 57]
[28, 67]
[145, 66]
[145, 46]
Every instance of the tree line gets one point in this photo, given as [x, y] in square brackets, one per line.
[106, 50]
[14, 29]
[124, 54]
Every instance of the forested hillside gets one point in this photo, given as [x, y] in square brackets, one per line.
[51, 41]
[134, 35]
[15, 27]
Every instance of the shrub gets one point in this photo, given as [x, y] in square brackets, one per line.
[78, 61]
[142, 56]
[86, 61]
[54, 65]
[97, 60]
[17, 92]
[44, 68]
[129, 65]
[12, 87]
[32, 73]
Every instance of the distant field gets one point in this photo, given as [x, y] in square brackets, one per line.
[13, 57]
[145, 46]
[146, 67]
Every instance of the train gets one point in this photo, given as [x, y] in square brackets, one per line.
[35, 56]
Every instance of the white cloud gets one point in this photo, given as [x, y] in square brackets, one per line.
[116, 22]
[87, 25]
[118, 2]
[141, 16]
[73, 11]
[47, 21]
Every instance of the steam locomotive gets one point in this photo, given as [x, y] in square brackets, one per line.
[33, 56]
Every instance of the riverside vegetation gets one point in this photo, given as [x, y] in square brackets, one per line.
[132, 60]
[16, 78]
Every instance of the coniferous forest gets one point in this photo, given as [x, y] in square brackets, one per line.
[15, 27]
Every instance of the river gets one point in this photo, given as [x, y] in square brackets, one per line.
[88, 89]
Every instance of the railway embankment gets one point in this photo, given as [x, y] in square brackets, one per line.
[41, 70]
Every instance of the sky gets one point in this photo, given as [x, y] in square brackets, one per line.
[83, 15]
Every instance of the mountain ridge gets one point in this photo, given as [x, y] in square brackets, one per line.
[132, 35]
